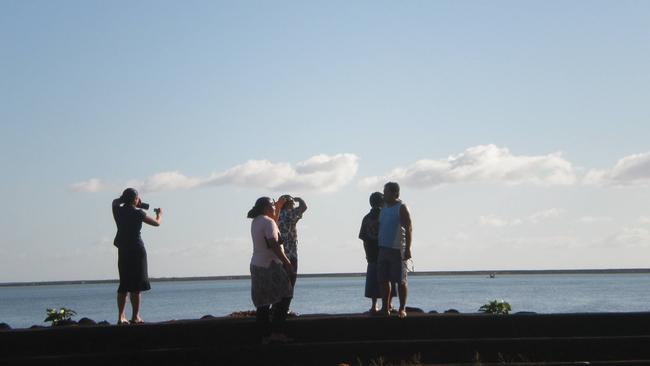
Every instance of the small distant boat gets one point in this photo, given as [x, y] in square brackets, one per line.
[493, 275]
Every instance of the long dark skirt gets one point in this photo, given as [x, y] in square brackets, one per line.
[132, 265]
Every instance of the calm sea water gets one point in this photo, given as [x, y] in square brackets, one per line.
[24, 306]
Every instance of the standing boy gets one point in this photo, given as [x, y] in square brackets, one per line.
[368, 233]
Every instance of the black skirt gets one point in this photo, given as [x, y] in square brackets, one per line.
[132, 266]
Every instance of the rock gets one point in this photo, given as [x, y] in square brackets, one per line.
[64, 323]
[414, 310]
[525, 312]
[243, 314]
[4, 326]
[433, 312]
[104, 322]
[86, 322]
[452, 311]
[204, 317]
[36, 327]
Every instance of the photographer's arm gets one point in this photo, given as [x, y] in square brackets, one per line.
[154, 222]
[278, 206]
[114, 206]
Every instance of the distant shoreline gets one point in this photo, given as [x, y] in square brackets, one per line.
[352, 274]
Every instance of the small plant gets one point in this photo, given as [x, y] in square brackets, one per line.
[60, 316]
[495, 307]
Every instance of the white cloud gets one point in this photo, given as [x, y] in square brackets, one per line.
[629, 237]
[542, 242]
[320, 173]
[535, 218]
[496, 221]
[630, 170]
[644, 220]
[483, 163]
[168, 181]
[595, 219]
[90, 186]
[551, 213]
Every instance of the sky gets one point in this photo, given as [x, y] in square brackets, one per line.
[518, 131]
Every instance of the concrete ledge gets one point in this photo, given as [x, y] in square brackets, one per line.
[334, 339]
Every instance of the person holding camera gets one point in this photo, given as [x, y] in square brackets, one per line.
[271, 273]
[132, 256]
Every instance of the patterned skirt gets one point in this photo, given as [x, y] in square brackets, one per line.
[269, 285]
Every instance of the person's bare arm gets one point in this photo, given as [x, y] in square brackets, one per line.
[278, 207]
[405, 218]
[154, 222]
[275, 248]
[302, 206]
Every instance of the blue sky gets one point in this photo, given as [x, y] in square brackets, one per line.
[518, 130]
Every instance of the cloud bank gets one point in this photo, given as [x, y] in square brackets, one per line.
[320, 173]
[535, 218]
[90, 186]
[483, 163]
[628, 171]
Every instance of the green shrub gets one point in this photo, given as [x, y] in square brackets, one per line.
[59, 316]
[495, 307]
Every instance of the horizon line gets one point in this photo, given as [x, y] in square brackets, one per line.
[345, 274]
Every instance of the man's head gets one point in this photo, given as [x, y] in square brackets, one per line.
[391, 192]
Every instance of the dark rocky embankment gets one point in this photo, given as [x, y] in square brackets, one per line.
[354, 339]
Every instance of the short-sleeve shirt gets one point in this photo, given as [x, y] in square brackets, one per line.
[129, 224]
[368, 233]
[262, 228]
[287, 223]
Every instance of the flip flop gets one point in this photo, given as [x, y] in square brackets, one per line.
[136, 321]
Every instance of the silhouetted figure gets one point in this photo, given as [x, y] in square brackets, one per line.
[288, 217]
[271, 273]
[132, 256]
[394, 247]
[368, 233]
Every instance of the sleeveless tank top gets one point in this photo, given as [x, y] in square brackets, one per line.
[391, 233]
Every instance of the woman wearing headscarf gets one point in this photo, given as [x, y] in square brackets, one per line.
[271, 273]
[132, 256]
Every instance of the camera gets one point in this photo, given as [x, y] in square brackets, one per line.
[156, 210]
[144, 206]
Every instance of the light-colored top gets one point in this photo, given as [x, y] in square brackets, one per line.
[263, 227]
[391, 233]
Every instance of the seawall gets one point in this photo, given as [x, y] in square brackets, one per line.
[335, 339]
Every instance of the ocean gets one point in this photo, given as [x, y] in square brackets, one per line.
[24, 306]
